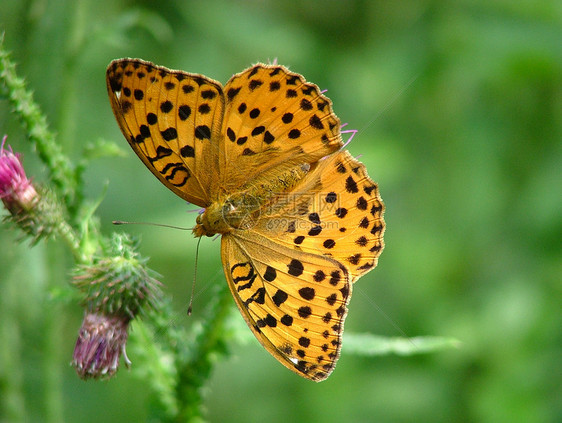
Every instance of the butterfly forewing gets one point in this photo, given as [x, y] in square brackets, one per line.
[172, 120]
[274, 119]
[294, 304]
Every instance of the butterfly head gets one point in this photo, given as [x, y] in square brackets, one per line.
[212, 221]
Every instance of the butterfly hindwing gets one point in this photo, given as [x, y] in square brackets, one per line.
[336, 211]
[294, 304]
[172, 120]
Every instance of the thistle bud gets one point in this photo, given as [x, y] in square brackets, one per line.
[99, 346]
[116, 290]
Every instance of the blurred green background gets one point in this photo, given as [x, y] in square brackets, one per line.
[459, 112]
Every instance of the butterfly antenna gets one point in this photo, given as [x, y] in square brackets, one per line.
[162, 225]
[348, 131]
[190, 307]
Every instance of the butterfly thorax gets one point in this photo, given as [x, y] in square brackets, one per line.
[242, 209]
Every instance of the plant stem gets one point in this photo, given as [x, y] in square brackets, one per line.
[65, 231]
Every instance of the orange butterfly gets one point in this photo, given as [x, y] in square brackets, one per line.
[300, 219]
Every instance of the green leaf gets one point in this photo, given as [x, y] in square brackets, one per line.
[368, 344]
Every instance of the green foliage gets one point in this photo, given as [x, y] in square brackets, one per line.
[458, 107]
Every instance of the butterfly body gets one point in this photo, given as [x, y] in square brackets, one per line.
[241, 209]
[300, 219]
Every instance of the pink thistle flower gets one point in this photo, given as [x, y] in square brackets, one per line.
[99, 346]
[16, 191]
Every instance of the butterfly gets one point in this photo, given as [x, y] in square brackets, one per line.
[300, 218]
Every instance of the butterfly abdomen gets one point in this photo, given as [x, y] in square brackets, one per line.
[267, 188]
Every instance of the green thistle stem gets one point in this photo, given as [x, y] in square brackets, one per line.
[65, 231]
